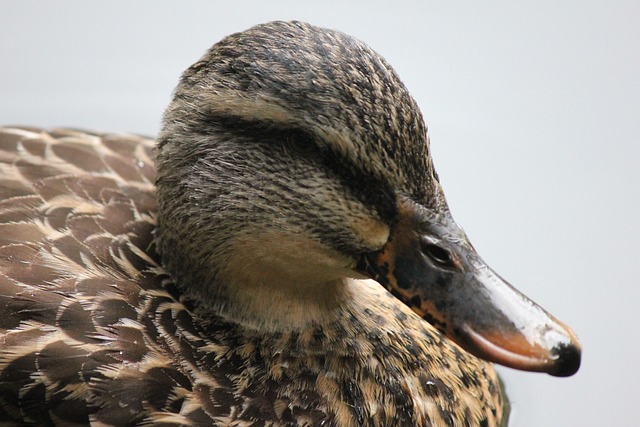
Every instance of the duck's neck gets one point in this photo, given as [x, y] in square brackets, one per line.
[276, 283]
[282, 309]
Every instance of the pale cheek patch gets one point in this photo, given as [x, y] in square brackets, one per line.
[279, 279]
[290, 260]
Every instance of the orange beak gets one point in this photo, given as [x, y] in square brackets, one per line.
[429, 264]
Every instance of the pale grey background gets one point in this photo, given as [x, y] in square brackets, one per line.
[534, 114]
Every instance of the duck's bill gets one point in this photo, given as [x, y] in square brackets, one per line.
[429, 264]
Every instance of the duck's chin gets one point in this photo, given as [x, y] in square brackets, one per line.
[276, 282]
[269, 309]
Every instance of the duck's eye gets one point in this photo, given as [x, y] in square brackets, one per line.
[301, 142]
[438, 254]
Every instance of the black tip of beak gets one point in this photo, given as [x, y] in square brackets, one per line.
[568, 358]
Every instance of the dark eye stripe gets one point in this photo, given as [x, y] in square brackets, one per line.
[363, 185]
[373, 192]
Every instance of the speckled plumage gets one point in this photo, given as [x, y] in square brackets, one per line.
[94, 330]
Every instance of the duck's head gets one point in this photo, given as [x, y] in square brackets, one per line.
[293, 160]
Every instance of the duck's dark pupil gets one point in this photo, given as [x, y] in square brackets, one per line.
[438, 254]
[301, 141]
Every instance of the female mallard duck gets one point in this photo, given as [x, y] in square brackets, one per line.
[292, 166]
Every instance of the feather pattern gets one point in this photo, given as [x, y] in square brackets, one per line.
[97, 328]
[94, 332]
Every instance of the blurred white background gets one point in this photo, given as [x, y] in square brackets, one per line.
[534, 114]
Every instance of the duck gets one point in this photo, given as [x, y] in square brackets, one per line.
[282, 254]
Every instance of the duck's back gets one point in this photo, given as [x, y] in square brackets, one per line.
[77, 280]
